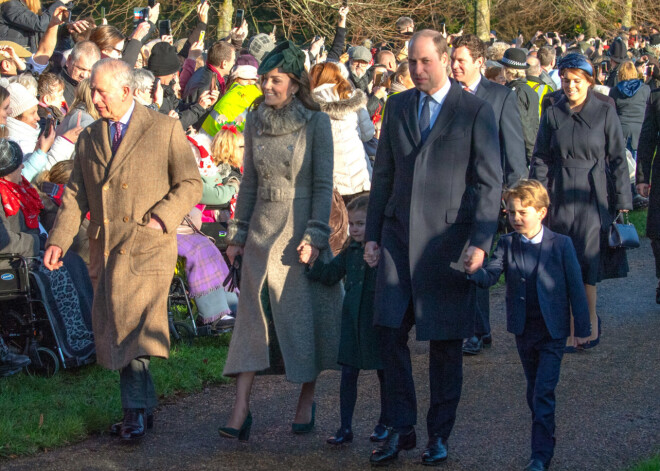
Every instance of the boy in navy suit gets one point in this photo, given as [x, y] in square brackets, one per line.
[543, 288]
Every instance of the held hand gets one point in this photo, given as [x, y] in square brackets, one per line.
[203, 12]
[154, 13]
[52, 257]
[307, 253]
[643, 189]
[141, 31]
[73, 133]
[167, 39]
[56, 19]
[79, 27]
[208, 98]
[233, 251]
[196, 50]
[173, 114]
[474, 260]
[580, 341]
[344, 11]
[371, 253]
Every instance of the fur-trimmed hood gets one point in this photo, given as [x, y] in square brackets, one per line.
[335, 107]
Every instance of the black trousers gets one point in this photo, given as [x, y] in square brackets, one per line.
[137, 386]
[655, 246]
[445, 380]
[541, 357]
[482, 319]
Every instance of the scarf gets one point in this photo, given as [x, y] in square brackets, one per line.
[21, 196]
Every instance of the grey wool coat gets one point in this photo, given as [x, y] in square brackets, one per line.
[284, 199]
[153, 172]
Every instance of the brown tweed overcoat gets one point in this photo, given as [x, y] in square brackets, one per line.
[152, 173]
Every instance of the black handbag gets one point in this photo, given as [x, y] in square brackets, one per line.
[622, 233]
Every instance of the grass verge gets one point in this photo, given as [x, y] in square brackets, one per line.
[652, 464]
[37, 414]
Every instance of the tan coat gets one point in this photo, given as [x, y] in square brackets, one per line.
[131, 266]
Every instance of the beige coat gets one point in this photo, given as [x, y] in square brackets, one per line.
[131, 266]
[285, 198]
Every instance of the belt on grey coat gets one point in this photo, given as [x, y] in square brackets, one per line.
[284, 194]
[583, 163]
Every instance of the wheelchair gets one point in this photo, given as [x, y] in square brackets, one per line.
[28, 324]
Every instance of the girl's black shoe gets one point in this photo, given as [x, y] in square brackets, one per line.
[380, 433]
[342, 436]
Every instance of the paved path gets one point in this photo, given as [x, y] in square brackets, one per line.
[608, 414]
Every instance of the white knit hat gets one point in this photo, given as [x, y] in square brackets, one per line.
[20, 99]
[248, 72]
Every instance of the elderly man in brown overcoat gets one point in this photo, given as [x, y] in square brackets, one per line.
[135, 174]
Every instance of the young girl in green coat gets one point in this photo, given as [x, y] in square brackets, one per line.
[358, 346]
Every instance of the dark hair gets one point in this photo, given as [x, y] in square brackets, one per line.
[220, 51]
[304, 93]
[475, 46]
[438, 40]
[546, 55]
[4, 94]
[580, 72]
[358, 204]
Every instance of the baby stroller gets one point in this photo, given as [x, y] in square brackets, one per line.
[31, 324]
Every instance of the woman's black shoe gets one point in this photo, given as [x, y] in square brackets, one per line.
[341, 437]
[243, 434]
[301, 429]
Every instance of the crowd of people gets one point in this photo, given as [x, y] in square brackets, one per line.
[374, 173]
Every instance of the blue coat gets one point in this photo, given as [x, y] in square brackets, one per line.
[558, 284]
[428, 202]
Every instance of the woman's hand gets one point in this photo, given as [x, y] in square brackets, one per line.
[72, 134]
[307, 253]
[233, 251]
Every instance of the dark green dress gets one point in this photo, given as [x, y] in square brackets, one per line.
[358, 345]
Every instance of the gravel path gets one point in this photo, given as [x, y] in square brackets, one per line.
[608, 414]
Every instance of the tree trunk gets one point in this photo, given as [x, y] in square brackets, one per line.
[225, 15]
[627, 20]
[482, 19]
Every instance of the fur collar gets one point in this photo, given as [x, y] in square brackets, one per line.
[278, 122]
[337, 108]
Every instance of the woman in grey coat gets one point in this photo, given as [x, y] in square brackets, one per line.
[580, 157]
[281, 224]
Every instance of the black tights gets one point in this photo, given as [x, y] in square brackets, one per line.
[348, 396]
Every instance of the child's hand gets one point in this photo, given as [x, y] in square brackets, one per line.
[581, 341]
[307, 253]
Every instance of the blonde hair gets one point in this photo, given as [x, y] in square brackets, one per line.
[513, 74]
[58, 174]
[226, 147]
[627, 71]
[529, 192]
[33, 5]
[84, 96]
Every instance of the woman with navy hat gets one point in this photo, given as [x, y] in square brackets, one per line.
[580, 158]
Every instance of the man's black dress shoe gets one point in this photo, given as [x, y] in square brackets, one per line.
[341, 437]
[535, 465]
[134, 427]
[388, 451]
[115, 429]
[436, 452]
[473, 346]
[379, 434]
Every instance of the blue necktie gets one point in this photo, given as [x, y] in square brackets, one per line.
[116, 140]
[425, 119]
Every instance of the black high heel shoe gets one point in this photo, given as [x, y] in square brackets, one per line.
[243, 434]
[300, 429]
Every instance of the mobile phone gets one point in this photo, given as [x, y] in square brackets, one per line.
[165, 28]
[139, 15]
[238, 21]
[378, 79]
[596, 44]
[102, 12]
[154, 88]
[151, 3]
[145, 14]
[604, 67]
[649, 70]
[213, 87]
[550, 34]
[202, 2]
[202, 33]
[48, 127]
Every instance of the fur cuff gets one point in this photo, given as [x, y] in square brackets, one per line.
[317, 234]
[237, 232]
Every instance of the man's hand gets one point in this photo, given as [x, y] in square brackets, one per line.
[239, 34]
[644, 189]
[315, 47]
[79, 27]
[9, 53]
[208, 98]
[52, 257]
[233, 251]
[307, 253]
[196, 50]
[343, 13]
[474, 260]
[173, 114]
[371, 253]
[56, 19]
[203, 12]
[155, 223]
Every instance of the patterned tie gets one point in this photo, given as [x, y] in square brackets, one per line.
[116, 140]
[425, 119]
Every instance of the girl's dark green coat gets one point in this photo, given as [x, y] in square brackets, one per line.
[358, 346]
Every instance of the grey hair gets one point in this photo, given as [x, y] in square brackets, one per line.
[122, 73]
[143, 80]
[85, 48]
[534, 66]
[28, 81]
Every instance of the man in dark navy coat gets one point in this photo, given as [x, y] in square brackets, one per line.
[468, 55]
[433, 209]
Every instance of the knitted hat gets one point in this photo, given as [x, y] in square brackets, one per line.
[11, 157]
[260, 45]
[514, 58]
[20, 99]
[247, 72]
[618, 50]
[163, 60]
[361, 53]
[247, 59]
